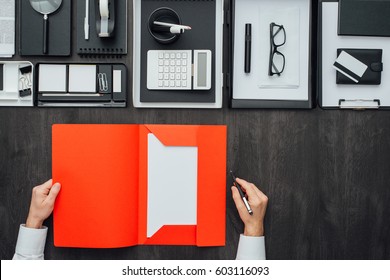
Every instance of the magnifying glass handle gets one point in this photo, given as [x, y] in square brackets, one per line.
[45, 31]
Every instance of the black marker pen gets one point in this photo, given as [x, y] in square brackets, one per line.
[248, 43]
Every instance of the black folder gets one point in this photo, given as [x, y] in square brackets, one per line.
[198, 14]
[116, 45]
[31, 30]
[364, 18]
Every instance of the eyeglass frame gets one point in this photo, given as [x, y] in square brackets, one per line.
[274, 49]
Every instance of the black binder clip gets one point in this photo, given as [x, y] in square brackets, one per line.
[25, 81]
[105, 18]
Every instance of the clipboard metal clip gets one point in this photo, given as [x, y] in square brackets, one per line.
[359, 104]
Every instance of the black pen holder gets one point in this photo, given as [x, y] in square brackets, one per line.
[162, 34]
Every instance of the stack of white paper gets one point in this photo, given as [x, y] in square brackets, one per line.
[7, 28]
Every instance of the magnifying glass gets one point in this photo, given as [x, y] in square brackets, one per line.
[45, 7]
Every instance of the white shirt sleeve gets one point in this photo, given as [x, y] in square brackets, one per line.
[30, 244]
[251, 248]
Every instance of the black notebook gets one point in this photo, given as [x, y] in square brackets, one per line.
[95, 45]
[364, 17]
[31, 30]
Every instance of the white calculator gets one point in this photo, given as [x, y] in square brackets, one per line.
[174, 70]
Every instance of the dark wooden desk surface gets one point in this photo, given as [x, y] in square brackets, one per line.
[326, 173]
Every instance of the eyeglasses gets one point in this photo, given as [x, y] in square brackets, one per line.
[277, 60]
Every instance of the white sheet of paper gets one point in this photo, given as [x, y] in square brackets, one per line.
[172, 185]
[52, 78]
[7, 28]
[354, 94]
[11, 78]
[82, 78]
[246, 86]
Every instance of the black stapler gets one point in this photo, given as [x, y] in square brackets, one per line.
[105, 18]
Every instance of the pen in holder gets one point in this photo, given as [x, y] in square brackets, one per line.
[164, 34]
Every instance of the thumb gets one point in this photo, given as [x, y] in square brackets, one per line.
[55, 189]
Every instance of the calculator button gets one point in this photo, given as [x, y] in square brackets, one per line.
[184, 76]
[184, 83]
[178, 62]
[160, 83]
[160, 69]
[184, 56]
[166, 55]
[160, 76]
[172, 69]
[184, 63]
[172, 76]
[166, 83]
[166, 76]
[166, 62]
[178, 55]
[184, 69]
[160, 62]
[178, 83]
[177, 69]
[172, 63]
[160, 55]
[166, 69]
[178, 77]
[172, 83]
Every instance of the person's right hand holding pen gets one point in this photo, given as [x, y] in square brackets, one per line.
[254, 224]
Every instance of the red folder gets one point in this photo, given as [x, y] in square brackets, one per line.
[103, 172]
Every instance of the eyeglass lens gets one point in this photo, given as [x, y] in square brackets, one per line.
[279, 35]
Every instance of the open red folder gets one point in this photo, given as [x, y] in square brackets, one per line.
[105, 179]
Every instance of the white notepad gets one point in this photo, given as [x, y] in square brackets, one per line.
[52, 78]
[82, 78]
[172, 185]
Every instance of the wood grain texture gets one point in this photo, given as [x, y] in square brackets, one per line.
[326, 173]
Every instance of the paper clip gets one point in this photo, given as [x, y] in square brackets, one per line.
[103, 82]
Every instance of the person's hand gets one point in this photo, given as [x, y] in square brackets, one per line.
[42, 203]
[258, 202]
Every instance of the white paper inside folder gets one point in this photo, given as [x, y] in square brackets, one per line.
[172, 185]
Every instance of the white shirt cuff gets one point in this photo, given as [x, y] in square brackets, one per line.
[31, 243]
[251, 248]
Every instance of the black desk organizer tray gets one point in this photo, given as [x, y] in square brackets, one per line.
[31, 30]
[116, 44]
[206, 20]
[81, 85]
[294, 88]
[347, 96]
[16, 83]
